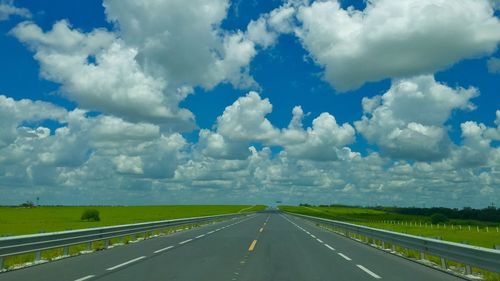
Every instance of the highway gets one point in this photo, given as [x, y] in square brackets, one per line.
[265, 246]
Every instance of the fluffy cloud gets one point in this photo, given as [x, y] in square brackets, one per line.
[7, 9]
[245, 122]
[494, 65]
[149, 64]
[395, 38]
[33, 154]
[476, 149]
[242, 122]
[112, 82]
[12, 113]
[265, 30]
[407, 122]
[325, 140]
[138, 162]
[245, 119]
[183, 41]
[494, 133]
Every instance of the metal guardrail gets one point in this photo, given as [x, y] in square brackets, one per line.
[480, 257]
[16, 245]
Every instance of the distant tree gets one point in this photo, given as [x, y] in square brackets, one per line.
[90, 215]
[28, 204]
[439, 218]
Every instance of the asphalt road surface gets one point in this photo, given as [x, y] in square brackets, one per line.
[265, 246]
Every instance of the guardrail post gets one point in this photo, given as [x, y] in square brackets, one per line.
[66, 251]
[422, 255]
[383, 245]
[89, 246]
[106, 243]
[468, 270]
[1, 263]
[443, 263]
[38, 255]
[393, 248]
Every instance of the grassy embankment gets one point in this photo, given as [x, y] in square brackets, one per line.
[16, 221]
[480, 233]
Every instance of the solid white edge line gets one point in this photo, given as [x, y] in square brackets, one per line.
[85, 278]
[199, 236]
[164, 249]
[368, 271]
[344, 256]
[329, 247]
[125, 263]
[185, 241]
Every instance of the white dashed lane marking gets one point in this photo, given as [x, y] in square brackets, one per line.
[126, 263]
[163, 249]
[368, 271]
[371, 273]
[85, 278]
[329, 247]
[344, 256]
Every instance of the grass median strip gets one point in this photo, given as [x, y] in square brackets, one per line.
[125, 263]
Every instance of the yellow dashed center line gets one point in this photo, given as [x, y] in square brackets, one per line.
[252, 246]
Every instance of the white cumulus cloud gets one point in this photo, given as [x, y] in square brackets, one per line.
[113, 82]
[7, 9]
[395, 39]
[407, 122]
[183, 40]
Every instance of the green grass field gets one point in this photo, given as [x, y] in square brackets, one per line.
[16, 220]
[486, 237]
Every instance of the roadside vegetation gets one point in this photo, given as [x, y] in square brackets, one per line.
[435, 225]
[29, 219]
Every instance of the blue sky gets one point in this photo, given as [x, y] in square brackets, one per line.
[135, 103]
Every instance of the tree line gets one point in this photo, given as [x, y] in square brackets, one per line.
[490, 214]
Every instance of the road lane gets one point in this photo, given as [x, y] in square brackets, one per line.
[284, 253]
[365, 257]
[215, 257]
